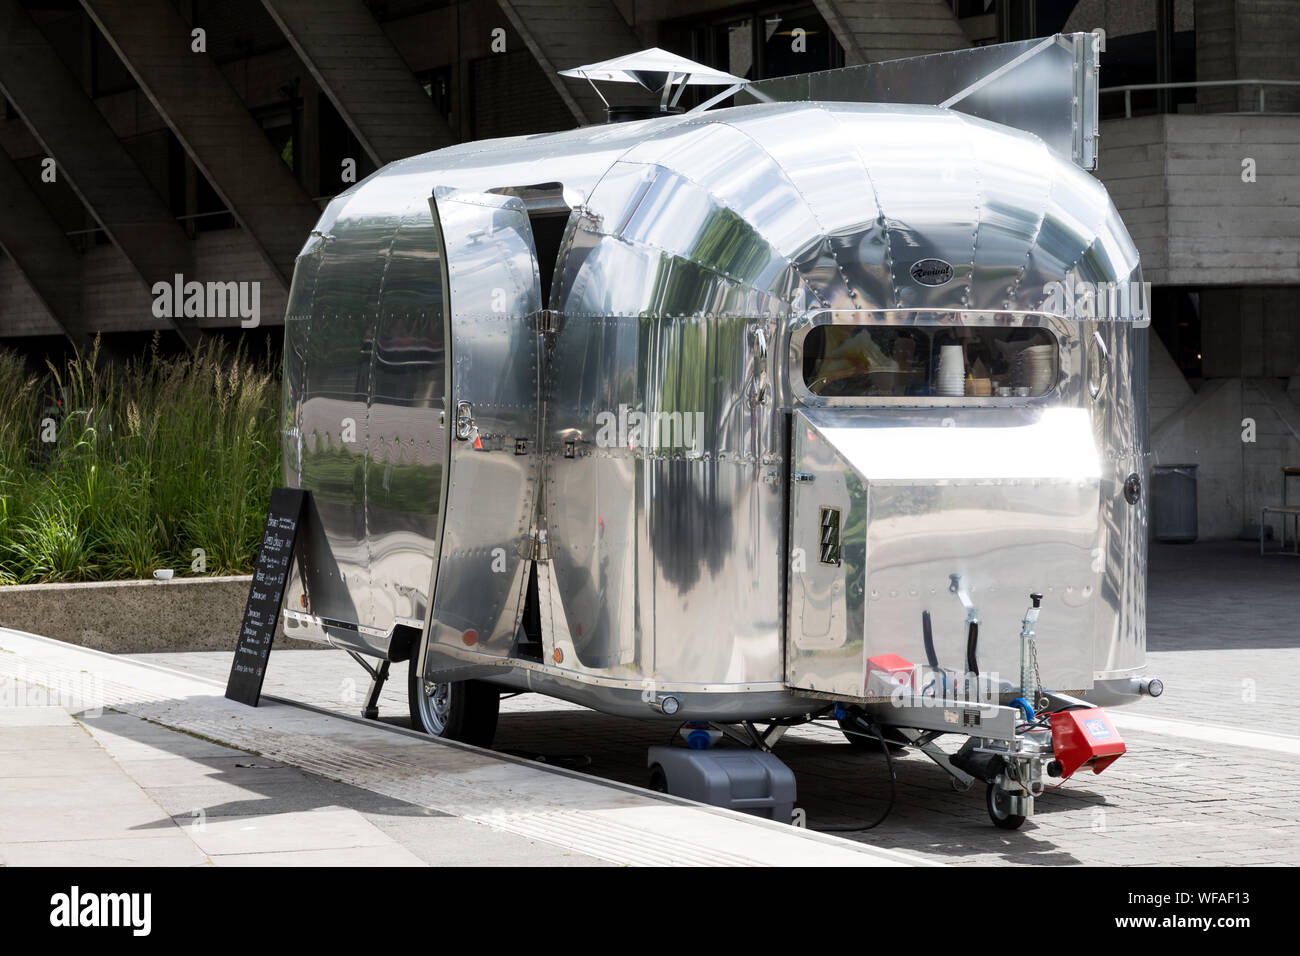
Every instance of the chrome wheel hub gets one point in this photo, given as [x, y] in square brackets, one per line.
[435, 706]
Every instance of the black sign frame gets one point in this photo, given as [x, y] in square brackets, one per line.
[266, 594]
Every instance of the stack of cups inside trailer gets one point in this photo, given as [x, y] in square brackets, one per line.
[951, 379]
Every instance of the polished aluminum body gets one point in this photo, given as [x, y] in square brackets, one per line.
[1045, 85]
[637, 433]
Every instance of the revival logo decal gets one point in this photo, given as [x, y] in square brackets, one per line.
[931, 271]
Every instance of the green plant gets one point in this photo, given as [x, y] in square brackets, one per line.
[111, 470]
[52, 543]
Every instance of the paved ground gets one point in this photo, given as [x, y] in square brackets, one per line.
[112, 789]
[111, 760]
[1224, 629]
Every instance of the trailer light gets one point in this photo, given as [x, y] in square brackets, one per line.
[558, 655]
[470, 638]
[887, 674]
[1132, 489]
[670, 705]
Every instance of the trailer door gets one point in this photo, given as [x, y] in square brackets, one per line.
[494, 297]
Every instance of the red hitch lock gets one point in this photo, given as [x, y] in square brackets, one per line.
[1085, 738]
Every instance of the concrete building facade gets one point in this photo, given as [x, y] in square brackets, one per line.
[145, 139]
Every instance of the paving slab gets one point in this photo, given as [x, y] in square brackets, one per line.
[541, 813]
[41, 716]
[386, 855]
[112, 851]
[64, 801]
[177, 800]
[55, 762]
[294, 831]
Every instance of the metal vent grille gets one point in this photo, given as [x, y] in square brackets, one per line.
[830, 536]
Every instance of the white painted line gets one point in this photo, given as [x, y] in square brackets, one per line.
[1209, 733]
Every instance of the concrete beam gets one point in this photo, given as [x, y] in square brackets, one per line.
[86, 151]
[364, 76]
[1177, 180]
[207, 116]
[38, 246]
[874, 30]
[565, 35]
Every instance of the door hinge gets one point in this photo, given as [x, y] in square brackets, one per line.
[464, 421]
[535, 547]
[803, 476]
[548, 320]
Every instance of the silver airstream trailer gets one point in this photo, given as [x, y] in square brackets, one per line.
[800, 409]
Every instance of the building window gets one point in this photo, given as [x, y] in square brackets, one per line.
[796, 42]
[335, 144]
[280, 124]
[437, 86]
[511, 95]
[107, 71]
[1176, 319]
[757, 44]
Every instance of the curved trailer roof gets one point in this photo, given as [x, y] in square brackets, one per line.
[841, 198]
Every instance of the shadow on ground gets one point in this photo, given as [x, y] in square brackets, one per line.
[236, 783]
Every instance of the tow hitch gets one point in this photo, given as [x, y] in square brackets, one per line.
[1060, 741]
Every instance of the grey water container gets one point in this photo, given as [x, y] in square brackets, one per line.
[746, 780]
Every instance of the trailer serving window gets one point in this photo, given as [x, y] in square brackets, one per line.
[929, 361]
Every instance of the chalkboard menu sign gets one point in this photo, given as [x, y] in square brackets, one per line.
[262, 613]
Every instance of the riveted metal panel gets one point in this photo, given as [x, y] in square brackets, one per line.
[493, 294]
[1007, 498]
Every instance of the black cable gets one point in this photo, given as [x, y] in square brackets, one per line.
[893, 787]
[972, 644]
[571, 761]
[927, 636]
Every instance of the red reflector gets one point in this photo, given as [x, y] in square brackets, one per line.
[1085, 738]
[888, 672]
[470, 638]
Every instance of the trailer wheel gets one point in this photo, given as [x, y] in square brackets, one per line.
[461, 710]
[658, 779]
[996, 799]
